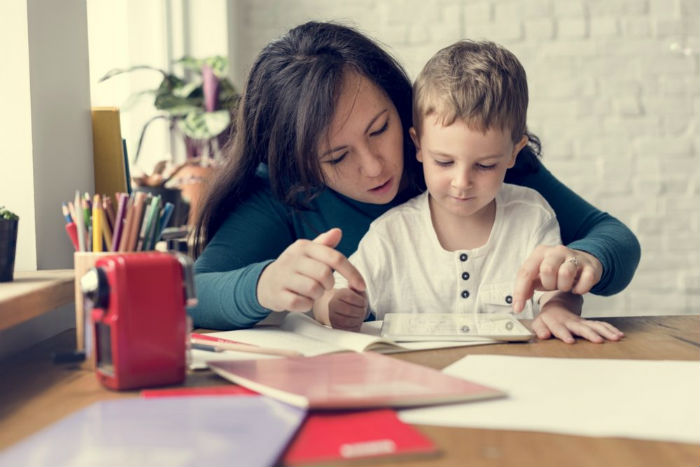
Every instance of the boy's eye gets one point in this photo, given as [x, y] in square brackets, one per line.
[337, 160]
[381, 130]
[486, 166]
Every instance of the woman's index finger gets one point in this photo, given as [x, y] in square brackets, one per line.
[339, 263]
[527, 279]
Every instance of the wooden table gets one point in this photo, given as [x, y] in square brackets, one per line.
[33, 293]
[35, 393]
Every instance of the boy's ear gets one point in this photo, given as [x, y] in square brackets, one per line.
[516, 150]
[414, 137]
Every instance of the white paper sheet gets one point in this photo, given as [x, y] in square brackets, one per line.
[645, 399]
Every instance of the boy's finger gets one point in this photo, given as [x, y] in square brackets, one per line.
[612, 328]
[582, 328]
[562, 332]
[540, 329]
[605, 331]
[342, 320]
[353, 299]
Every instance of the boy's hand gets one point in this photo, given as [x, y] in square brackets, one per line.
[347, 309]
[557, 320]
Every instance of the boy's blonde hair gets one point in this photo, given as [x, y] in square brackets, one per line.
[481, 83]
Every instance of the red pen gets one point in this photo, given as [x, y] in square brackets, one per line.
[72, 231]
[228, 344]
[221, 340]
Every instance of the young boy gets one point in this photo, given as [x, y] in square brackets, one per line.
[458, 246]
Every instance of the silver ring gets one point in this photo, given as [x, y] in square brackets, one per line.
[573, 260]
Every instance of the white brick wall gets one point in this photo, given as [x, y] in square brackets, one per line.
[615, 97]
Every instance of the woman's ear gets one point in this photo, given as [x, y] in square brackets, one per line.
[414, 137]
[516, 150]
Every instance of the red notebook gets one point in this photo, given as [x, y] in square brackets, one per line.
[327, 436]
[332, 435]
[350, 380]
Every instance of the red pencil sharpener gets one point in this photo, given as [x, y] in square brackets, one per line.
[138, 306]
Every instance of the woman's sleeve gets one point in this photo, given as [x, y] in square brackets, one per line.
[227, 271]
[584, 227]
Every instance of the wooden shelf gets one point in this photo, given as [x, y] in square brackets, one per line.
[34, 293]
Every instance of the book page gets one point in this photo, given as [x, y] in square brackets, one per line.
[300, 323]
[281, 339]
[304, 334]
[368, 339]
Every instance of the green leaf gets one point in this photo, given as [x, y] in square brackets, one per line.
[190, 63]
[182, 110]
[167, 102]
[205, 125]
[118, 71]
[188, 89]
[218, 64]
[133, 99]
[7, 214]
[228, 95]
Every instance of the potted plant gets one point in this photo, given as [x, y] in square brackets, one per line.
[199, 106]
[8, 243]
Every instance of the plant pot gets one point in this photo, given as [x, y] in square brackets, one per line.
[191, 179]
[8, 247]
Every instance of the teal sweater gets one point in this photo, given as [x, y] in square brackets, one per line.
[262, 227]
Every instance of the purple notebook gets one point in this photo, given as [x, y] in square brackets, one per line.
[172, 431]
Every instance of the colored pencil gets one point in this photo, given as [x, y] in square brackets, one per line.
[119, 220]
[96, 225]
[109, 210]
[79, 221]
[164, 219]
[126, 228]
[66, 213]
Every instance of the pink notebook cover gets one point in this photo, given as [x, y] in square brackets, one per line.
[350, 380]
[198, 391]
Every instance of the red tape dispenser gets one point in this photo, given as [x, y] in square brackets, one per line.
[139, 317]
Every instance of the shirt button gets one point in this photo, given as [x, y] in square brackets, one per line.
[463, 257]
[465, 275]
[509, 299]
[465, 293]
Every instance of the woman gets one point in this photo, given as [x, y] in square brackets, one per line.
[302, 165]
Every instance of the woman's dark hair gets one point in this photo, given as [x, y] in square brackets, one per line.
[288, 103]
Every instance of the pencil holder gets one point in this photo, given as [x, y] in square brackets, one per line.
[82, 262]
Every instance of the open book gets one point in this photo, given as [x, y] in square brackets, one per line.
[349, 381]
[309, 337]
